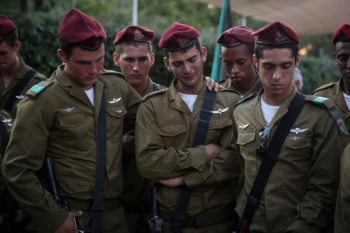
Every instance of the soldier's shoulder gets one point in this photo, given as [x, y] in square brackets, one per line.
[155, 94]
[40, 76]
[331, 108]
[225, 90]
[320, 101]
[105, 72]
[247, 98]
[230, 94]
[324, 87]
[223, 81]
[38, 88]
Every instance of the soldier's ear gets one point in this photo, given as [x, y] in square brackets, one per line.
[62, 55]
[297, 60]
[166, 63]
[116, 57]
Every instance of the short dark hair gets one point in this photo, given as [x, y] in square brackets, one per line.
[68, 47]
[119, 48]
[197, 43]
[251, 47]
[259, 49]
[11, 38]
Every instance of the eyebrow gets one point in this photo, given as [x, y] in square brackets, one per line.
[281, 64]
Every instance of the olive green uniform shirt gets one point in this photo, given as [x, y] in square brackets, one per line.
[5, 92]
[135, 198]
[165, 129]
[152, 86]
[334, 91]
[342, 211]
[300, 193]
[227, 83]
[61, 122]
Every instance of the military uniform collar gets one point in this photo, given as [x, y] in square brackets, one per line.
[175, 97]
[283, 107]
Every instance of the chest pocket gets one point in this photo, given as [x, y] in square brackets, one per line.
[116, 110]
[70, 119]
[298, 140]
[73, 126]
[245, 138]
[220, 121]
[173, 134]
[246, 143]
[115, 118]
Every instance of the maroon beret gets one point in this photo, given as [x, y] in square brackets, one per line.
[6, 26]
[276, 33]
[235, 36]
[342, 34]
[134, 33]
[77, 27]
[178, 36]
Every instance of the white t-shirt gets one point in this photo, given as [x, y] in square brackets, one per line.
[91, 93]
[189, 99]
[269, 111]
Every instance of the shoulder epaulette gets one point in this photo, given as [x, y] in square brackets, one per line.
[35, 90]
[331, 108]
[325, 86]
[228, 90]
[154, 93]
[111, 72]
[223, 81]
[245, 99]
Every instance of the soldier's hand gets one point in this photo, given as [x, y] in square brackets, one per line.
[172, 182]
[68, 226]
[212, 150]
[212, 85]
[129, 142]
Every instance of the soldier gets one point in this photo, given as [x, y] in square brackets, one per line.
[236, 53]
[133, 54]
[16, 78]
[76, 117]
[339, 91]
[14, 72]
[342, 211]
[298, 193]
[165, 126]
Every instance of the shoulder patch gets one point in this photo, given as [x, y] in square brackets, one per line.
[325, 86]
[331, 108]
[154, 93]
[35, 90]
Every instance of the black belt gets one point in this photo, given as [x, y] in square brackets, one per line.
[211, 217]
[86, 205]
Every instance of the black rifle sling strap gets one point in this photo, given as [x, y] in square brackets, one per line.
[179, 216]
[98, 203]
[18, 88]
[270, 158]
